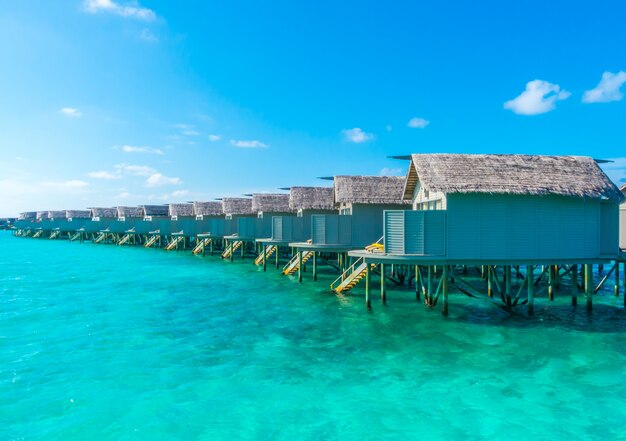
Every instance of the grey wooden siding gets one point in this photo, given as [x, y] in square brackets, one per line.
[331, 229]
[415, 232]
[246, 227]
[622, 227]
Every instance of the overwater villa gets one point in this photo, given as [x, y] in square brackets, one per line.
[361, 201]
[498, 212]
[305, 202]
[155, 217]
[181, 231]
[125, 229]
[236, 211]
[209, 216]
[98, 230]
[75, 226]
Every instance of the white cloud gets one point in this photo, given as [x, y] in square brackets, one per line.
[250, 144]
[134, 149]
[190, 133]
[131, 10]
[148, 36]
[123, 195]
[388, 128]
[391, 172]
[214, 138]
[356, 135]
[135, 170]
[607, 90]
[71, 112]
[73, 184]
[103, 174]
[157, 180]
[417, 123]
[183, 126]
[538, 97]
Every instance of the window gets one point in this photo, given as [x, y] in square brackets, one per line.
[300, 213]
[345, 211]
[259, 215]
[229, 217]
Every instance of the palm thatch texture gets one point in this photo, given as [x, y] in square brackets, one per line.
[42, 215]
[78, 214]
[311, 198]
[237, 206]
[578, 176]
[28, 215]
[155, 210]
[103, 212]
[181, 210]
[270, 203]
[211, 208]
[129, 212]
[369, 189]
[56, 214]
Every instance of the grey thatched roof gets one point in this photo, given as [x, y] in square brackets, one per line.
[103, 212]
[42, 215]
[129, 212]
[369, 189]
[212, 208]
[28, 215]
[270, 202]
[56, 214]
[510, 174]
[78, 214]
[155, 210]
[237, 206]
[311, 198]
[184, 209]
[623, 189]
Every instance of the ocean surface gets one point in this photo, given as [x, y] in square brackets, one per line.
[100, 342]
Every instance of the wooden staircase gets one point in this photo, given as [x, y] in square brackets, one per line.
[101, 237]
[37, 234]
[174, 244]
[294, 264]
[125, 239]
[199, 248]
[75, 236]
[231, 248]
[350, 277]
[269, 250]
[151, 241]
[55, 234]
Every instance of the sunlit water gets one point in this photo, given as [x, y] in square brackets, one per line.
[117, 343]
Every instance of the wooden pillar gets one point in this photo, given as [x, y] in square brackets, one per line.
[243, 249]
[417, 283]
[315, 266]
[489, 281]
[507, 284]
[444, 287]
[277, 255]
[264, 257]
[383, 293]
[589, 286]
[616, 285]
[368, 302]
[429, 289]
[550, 282]
[574, 272]
[299, 266]
[531, 289]
[211, 245]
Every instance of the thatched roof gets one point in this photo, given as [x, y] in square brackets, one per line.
[623, 189]
[212, 208]
[155, 210]
[578, 176]
[78, 214]
[56, 214]
[181, 209]
[311, 198]
[369, 189]
[270, 203]
[103, 212]
[129, 212]
[237, 206]
[28, 215]
[41, 215]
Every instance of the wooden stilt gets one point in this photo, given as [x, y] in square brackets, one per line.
[444, 287]
[589, 286]
[489, 282]
[574, 272]
[383, 293]
[243, 249]
[299, 266]
[264, 257]
[277, 253]
[315, 266]
[368, 302]
[417, 283]
[551, 282]
[429, 291]
[507, 284]
[616, 285]
[531, 289]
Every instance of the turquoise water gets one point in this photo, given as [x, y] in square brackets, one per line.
[118, 343]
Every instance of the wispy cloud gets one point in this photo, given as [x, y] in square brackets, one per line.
[417, 123]
[129, 10]
[538, 97]
[158, 180]
[388, 128]
[391, 172]
[356, 135]
[248, 144]
[214, 138]
[135, 170]
[148, 36]
[135, 149]
[103, 174]
[607, 90]
[71, 112]
[190, 132]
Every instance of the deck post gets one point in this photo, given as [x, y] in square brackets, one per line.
[589, 286]
[277, 252]
[489, 282]
[299, 266]
[243, 249]
[531, 289]
[550, 282]
[211, 245]
[368, 302]
[383, 294]
[444, 287]
[574, 285]
[507, 284]
[429, 292]
[616, 285]
[264, 257]
[232, 251]
[417, 283]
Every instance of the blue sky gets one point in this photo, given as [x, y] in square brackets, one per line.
[115, 102]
